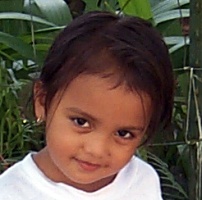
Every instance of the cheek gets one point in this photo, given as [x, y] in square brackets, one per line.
[61, 139]
[122, 155]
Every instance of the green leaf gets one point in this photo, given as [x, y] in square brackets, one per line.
[26, 17]
[56, 12]
[11, 26]
[167, 5]
[17, 44]
[91, 5]
[109, 5]
[172, 40]
[177, 42]
[172, 14]
[183, 82]
[11, 5]
[165, 174]
[50, 29]
[138, 8]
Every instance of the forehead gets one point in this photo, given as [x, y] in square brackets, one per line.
[96, 95]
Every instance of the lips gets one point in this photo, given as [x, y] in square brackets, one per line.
[87, 166]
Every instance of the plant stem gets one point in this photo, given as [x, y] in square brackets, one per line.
[194, 130]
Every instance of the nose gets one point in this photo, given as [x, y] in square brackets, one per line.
[97, 145]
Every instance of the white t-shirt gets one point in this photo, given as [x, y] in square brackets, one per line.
[25, 181]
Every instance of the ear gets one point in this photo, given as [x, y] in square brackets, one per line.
[39, 96]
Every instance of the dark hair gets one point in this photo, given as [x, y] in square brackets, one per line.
[96, 41]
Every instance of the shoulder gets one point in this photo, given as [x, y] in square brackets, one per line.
[143, 166]
[13, 171]
[13, 180]
[145, 182]
[144, 172]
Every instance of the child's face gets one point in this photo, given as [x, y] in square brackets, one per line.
[92, 132]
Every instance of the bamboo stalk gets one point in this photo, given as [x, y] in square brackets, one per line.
[194, 120]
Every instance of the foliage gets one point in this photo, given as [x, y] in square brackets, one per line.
[170, 188]
[27, 29]
[137, 8]
[21, 54]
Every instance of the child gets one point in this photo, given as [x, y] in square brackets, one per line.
[105, 87]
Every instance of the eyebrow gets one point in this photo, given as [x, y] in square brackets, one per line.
[89, 116]
[81, 112]
[133, 128]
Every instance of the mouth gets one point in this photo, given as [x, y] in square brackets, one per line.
[87, 166]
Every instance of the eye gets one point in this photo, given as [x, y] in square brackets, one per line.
[81, 122]
[125, 134]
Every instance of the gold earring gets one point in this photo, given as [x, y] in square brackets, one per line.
[39, 120]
